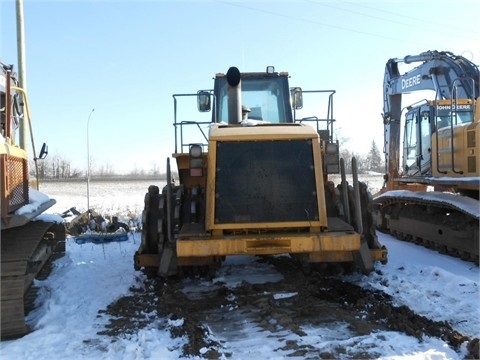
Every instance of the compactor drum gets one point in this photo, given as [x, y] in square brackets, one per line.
[256, 184]
[28, 245]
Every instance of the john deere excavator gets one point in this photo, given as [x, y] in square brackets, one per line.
[256, 184]
[27, 244]
[432, 181]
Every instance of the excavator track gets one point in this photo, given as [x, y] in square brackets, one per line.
[444, 222]
[26, 253]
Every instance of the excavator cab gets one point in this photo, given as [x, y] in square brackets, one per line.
[417, 147]
[423, 123]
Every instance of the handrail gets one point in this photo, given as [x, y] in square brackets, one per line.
[179, 133]
[8, 130]
[329, 119]
[180, 124]
[198, 123]
[27, 112]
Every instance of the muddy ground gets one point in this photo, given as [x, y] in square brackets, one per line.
[317, 298]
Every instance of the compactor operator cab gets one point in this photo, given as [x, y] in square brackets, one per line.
[266, 98]
[265, 94]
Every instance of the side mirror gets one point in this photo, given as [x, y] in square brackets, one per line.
[43, 152]
[297, 99]
[204, 101]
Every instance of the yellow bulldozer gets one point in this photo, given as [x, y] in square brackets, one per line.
[28, 243]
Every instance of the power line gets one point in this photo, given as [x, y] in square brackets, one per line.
[410, 17]
[270, 12]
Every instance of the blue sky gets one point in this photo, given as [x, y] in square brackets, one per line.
[127, 58]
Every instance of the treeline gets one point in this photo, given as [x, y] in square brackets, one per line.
[57, 167]
[373, 161]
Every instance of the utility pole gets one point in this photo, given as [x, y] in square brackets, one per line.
[88, 161]
[22, 78]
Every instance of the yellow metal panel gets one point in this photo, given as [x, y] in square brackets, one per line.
[461, 152]
[12, 150]
[274, 132]
[317, 160]
[182, 160]
[210, 191]
[183, 166]
[267, 225]
[269, 244]
[326, 251]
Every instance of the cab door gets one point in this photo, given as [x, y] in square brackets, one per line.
[417, 142]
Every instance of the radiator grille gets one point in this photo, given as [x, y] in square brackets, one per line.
[265, 181]
[14, 183]
[471, 141]
[472, 164]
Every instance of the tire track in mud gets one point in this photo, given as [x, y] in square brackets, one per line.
[212, 314]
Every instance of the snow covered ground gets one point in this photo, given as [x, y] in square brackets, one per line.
[91, 276]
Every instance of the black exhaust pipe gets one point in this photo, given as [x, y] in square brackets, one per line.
[234, 93]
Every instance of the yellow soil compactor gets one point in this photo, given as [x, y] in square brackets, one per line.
[256, 184]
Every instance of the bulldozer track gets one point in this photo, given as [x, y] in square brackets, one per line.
[213, 311]
[26, 253]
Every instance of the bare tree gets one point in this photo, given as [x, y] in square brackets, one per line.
[155, 170]
[42, 169]
[54, 167]
[346, 155]
[106, 170]
[361, 163]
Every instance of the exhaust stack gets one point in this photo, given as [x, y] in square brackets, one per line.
[234, 93]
